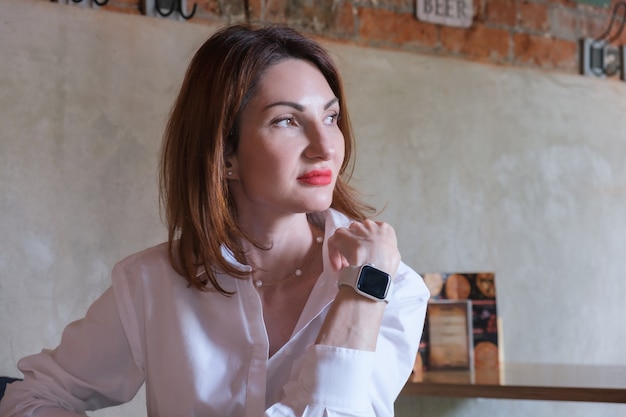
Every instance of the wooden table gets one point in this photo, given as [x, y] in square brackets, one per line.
[593, 383]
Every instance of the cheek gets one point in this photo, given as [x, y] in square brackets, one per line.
[261, 164]
[340, 149]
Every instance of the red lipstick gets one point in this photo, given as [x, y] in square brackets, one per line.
[317, 177]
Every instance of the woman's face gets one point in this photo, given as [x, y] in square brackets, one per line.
[290, 147]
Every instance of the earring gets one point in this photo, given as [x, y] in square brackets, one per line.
[229, 173]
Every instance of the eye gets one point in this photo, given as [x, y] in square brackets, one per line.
[286, 121]
[332, 118]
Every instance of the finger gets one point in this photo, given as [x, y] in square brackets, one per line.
[337, 260]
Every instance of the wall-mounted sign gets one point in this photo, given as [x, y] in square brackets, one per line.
[446, 12]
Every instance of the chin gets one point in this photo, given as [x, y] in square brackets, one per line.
[316, 208]
[317, 203]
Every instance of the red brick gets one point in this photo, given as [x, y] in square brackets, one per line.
[593, 26]
[232, 8]
[613, 4]
[622, 39]
[533, 16]
[204, 7]
[275, 11]
[545, 52]
[501, 12]
[563, 22]
[398, 5]
[621, 11]
[121, 8]
[477, 42]
[553, 27]
[480, 11]
[345, 20]
[378, 25]
[566, 3]
[316, 17]
[255, 9]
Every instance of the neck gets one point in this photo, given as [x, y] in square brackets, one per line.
[277, 232]
[284, 249]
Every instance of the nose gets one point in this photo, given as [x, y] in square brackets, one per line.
[322, 141]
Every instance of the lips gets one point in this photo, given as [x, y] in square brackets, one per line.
[317, 177]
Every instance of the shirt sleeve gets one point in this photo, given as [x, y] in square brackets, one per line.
[70, 380]
[340, 382]
[399, 339]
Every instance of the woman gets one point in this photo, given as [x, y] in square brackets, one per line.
[240, 312]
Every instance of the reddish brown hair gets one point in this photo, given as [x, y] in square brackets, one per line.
[202, 129]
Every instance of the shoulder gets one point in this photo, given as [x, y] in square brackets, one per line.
[150, 257]
[148, 268]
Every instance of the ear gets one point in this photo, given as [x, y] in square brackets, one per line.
[232, 167]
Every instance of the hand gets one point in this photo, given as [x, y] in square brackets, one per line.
[365, 242]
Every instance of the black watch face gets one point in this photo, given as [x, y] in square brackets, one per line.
[373, 282]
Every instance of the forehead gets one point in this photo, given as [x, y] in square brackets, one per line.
[292, 76]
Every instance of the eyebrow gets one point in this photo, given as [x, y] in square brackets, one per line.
[297, 106]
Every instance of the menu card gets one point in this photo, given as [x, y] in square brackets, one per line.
[479, 291]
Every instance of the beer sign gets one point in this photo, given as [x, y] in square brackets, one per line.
[446, 12]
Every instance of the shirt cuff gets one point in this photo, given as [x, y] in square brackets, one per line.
[336, 377]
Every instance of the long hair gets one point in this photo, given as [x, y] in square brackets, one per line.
[202, 130]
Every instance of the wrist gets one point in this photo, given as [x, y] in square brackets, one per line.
[367, 281]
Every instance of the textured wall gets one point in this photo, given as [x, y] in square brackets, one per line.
[482, 168]
[523, 33]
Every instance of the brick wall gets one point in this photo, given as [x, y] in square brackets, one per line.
[527, 33]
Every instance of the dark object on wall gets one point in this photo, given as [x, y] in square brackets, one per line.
[166, 8]
[89, 2]
[601, 59]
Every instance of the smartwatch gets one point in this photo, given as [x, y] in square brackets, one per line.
[366, 280]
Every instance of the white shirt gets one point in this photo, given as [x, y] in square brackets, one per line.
[205, 354]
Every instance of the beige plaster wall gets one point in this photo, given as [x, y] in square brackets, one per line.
[481, 168]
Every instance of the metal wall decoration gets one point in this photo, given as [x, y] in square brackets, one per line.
[167, 8]
[174, 6]
[599, 57]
